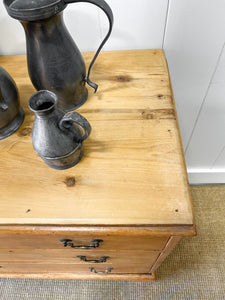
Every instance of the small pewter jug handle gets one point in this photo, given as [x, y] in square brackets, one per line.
[107, 10]
[74, 117]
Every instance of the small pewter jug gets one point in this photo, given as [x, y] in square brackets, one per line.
[11, 114]
[57, 137]
[54, 61]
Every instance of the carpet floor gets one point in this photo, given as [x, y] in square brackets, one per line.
[194, 270]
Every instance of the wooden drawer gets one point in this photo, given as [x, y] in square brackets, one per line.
[29, 268]
[62, 256]
[52, 241]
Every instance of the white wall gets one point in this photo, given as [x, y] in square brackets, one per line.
[138, 25]
[192, 35]
[194, 45]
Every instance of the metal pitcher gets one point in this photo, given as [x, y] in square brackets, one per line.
[54, 61]
[11, 114]
[57, 137]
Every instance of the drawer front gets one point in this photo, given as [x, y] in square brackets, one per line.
[26, 268]
[84, 257]
[78, 243]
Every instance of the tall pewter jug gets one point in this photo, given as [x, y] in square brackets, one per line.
[54, 61]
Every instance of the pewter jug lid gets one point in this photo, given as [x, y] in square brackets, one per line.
[32, 10]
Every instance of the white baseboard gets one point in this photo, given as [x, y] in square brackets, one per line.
[206, 176]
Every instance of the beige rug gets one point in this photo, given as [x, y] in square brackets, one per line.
[195, 270]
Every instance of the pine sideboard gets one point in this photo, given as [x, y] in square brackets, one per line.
[124, 207]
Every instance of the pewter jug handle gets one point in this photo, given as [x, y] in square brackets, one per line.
[107, 10]
[74, 117]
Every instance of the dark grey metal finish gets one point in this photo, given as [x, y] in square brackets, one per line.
[107, 271]
[57, 137]
[28, 10]
[93, 261]
[94, 244]
[11, 114]
[54, 61]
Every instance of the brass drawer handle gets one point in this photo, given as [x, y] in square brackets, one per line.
[69, 243]
[107, 271]
[101, 260]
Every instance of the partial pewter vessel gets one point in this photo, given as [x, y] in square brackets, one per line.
[11, 114]
[54, 61]
[57, 137]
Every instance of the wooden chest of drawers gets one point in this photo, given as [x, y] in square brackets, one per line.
[123, 208]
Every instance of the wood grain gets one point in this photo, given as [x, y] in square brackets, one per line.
[61, 275]
[133, 169]
[153, 231]
[50, 256]
[52, 241]
[70, 268]
[172, 242]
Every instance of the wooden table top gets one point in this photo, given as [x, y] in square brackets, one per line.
[133, 170]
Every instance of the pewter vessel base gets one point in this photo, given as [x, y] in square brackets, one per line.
[13, 126]
[58, 164]
[71, 108]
